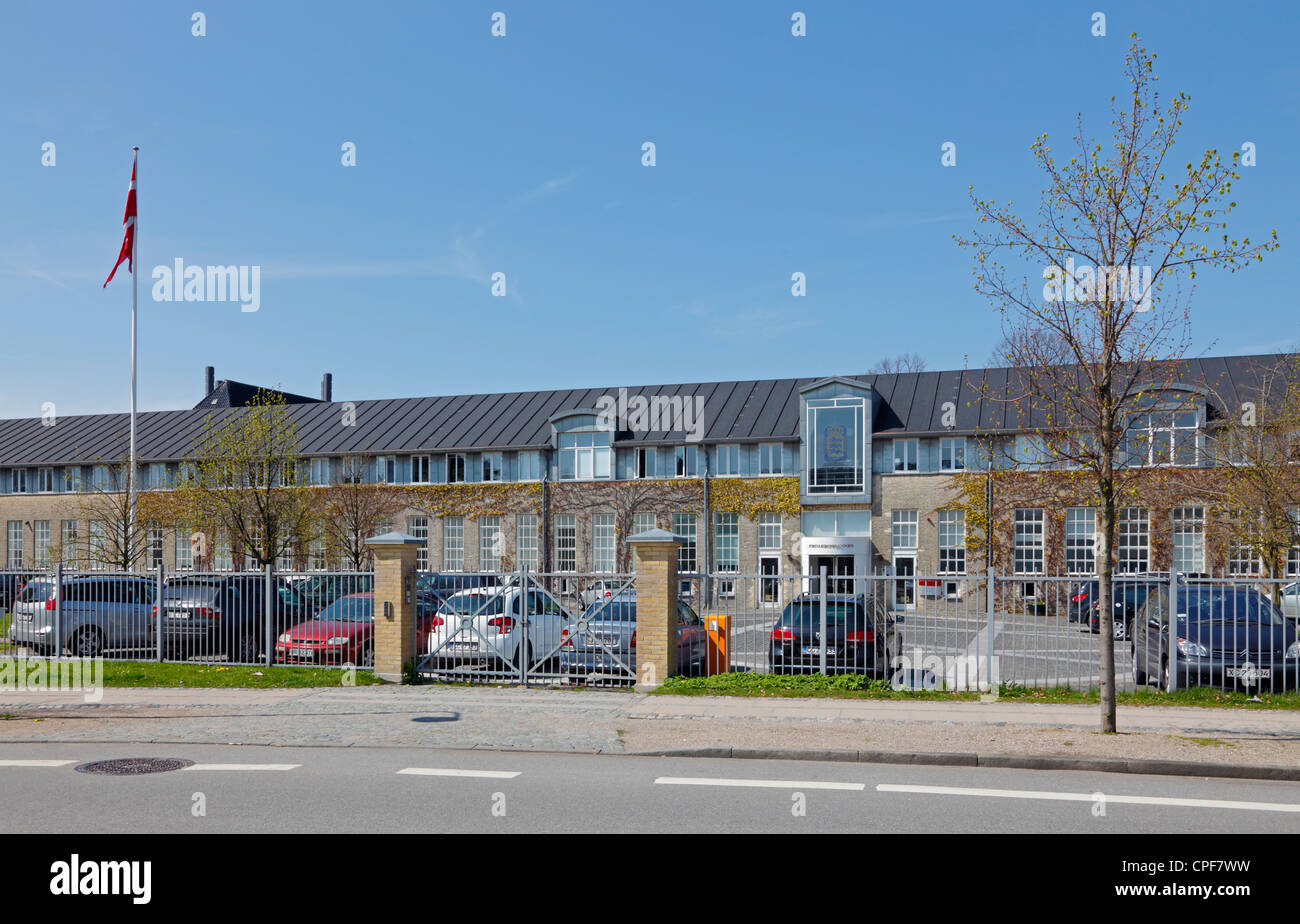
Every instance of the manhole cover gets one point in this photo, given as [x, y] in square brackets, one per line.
[132, 766]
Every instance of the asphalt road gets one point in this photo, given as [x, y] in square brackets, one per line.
[311, 790]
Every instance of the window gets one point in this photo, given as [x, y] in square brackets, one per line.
[1080, 536]
[952, 542]
[585, 455]
[18, 481]
[68, 540]
[566, 542]
[906, 455]
[385, 470]
[1242, 561]
[684, 526]
[184, 552]
[45, 480]
[903, 528]
[1293, 556]
[688, 462]
[98, 544]
[418, 527]
[530, 466]
[728, 460]
[526, 541]
[455, 468]
[351, 471]
[158, 480]
[644, 463]
[769, 532]
[72, 478]
[726, 550]
[284, 560]
[223, 558]
[187, 472]
[1133, 540]
[153, 550]
[1189, 539]
[952, 454]
[420, 471]
[1029, 540]
[770, 459]
[320, 471]
[489, 544]
[15, 543]
[492, 466]
[602, 543]
[41, 543]
[101, 478]
[1164, 438]
[453, 543]
[835, 428]
[252, 551]
[317, 560]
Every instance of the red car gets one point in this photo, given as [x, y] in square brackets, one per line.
[342, 633]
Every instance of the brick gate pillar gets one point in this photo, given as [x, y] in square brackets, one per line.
[655, 552]
[394, 638]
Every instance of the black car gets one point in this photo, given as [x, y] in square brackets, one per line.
[1128, 593]
[854, 642]
[11, 585]
[1228, 637]
[215, 614]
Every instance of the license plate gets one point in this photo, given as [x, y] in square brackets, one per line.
[1264, 672]
[462, 646]
[816, 650]
[302, 653]
[606, 639]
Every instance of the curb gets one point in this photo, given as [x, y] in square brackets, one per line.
[1002, 761]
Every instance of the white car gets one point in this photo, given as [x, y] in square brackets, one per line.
[482, 626]
[601, 590]
[1291, 600]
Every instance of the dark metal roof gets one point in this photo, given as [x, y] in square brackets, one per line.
[910, 402]
[229, 393]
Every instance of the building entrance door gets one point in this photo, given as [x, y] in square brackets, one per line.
[769, 589]
[905, 581]
[839, 573]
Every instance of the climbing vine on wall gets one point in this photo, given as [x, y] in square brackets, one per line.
[750, 497]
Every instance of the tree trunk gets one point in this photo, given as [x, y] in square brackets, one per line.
[1106, 612]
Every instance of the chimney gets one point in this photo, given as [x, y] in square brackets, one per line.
[209, 379]
[327, 387]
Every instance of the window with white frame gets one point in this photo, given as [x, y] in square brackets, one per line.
[285, 556]
[770, 459]
[903, 529]
[385, 469]
[97, 544]
[420, 469]
[455, 468]
[352, 471]
[603, 543]
[530, 465]
[72, 479]
[726, 550]
[687, 462]
[1080, 538]
[1189, 539]
[728, 457]
[1242, 560]
[585, 455]
[644, 462]
[1164, 437]
[907, 454]
[18, 481]
[526, 541]
[1293, 556]
[952, 454]
[453, 544]
[642, 522]
[41, 543]
[320, 471]
[492, 466]
[566, 542]
[101, 478]
[952, 541]
[153, 550]
[836, 430]
[45, 480]
[223, 556]
[184, 551]
[417, 526]
[69, 543]
[489, 543]
[769, 532]
[15, 543]
[1133, 540]
[317, 557]
[1029, 540]
[684, 526]
[252, 550]
[158, 476]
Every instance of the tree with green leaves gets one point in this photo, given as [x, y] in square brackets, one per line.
[1093, 293]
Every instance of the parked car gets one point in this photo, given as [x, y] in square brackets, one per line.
[438, 588]
[320, 590]
[1231, 637]
[342, 633]
[12, 583]
[215, 614]
[481, 627]
[1291, 600]
[96, 614]
[600, 590]
[1128, 593]
[603, 642]
[860, 638]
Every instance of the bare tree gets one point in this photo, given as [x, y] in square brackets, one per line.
[903, 362]
[106, 509]
[352, 512]
[1099, 343]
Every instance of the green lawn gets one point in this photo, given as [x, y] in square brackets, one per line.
[152, 674]
[856, 686]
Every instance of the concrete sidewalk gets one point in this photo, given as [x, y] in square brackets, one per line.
[624, 722]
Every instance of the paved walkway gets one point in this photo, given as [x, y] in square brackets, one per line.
[620, 722]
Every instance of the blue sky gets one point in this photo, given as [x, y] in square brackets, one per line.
[522, 155]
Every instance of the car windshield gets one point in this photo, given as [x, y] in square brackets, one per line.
[848, 615]
[349, 609]
[612, 611]
[190, 590]
[1218, 605]
[471, 604]
[35, 591]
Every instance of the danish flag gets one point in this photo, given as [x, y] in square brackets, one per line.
[128, 228]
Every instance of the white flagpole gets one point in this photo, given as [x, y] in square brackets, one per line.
[135, 275]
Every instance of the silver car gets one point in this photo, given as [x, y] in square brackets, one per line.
[482, 627]
[95, 614]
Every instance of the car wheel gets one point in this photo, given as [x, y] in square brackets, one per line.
[1140, 677]
[88, 643]
[368, 656]
[246, 653]
[1119, 629]
[1164, 678]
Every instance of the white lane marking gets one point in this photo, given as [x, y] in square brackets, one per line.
[764, 784]
[36, 763]
[482, 774]
[1089, 797]
[242, 767]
